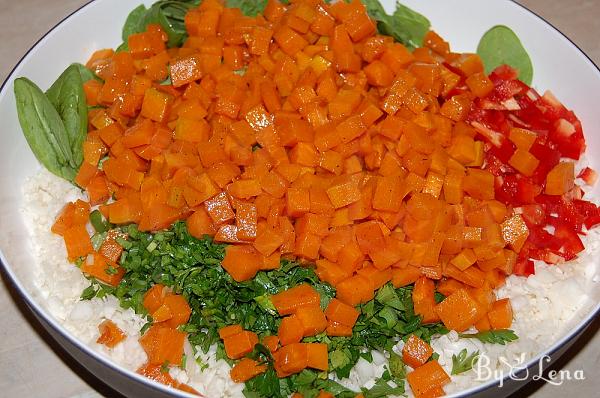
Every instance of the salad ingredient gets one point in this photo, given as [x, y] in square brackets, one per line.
[459, 311]
[217, 301]
[240, 344]
[68, 97]
[500, 336]
[428, 379]
[44, 196]
[168, 14]
[416, 352]
[400, 199]
[156, 373]
[163, 344]
[110, 334]
[500, 315]
[501, 46]
[463, 362]
[404, 25]
[246, 369]
[44, 130]
[495, 119]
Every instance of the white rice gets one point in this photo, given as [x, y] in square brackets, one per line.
[545, 306]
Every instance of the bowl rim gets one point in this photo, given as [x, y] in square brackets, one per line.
[32, 305]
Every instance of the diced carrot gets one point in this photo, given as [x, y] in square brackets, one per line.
[291, 359]
[102, 269]
[501, 314]
[317, 356]
[312, 319]
[179, 308]
[110, 334]
[240, 344]
[271, 342]
[424, 300]
[242, 262]
[288, 301]
[154, 297]
[459, 311]
[416, 352]
[231, 330]
[156, 373]
[290, 330]
[430, 376]
[341, 313]
[246, 369]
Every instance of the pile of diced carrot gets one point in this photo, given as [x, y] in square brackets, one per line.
[302, 317]
[304, 133]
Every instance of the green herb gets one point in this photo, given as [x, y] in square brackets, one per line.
[396, 367]
[382, 388]
[68, 98]
[44, 130]
[250, 8]
[97, 240]
[164, 368]
[404, 25]
[98, 222]
[88, 293]
[500, 46]
[111, 270]
[464, 362]
[183, 361]
[191, 267]
[500, 336]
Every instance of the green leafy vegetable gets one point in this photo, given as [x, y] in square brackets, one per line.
[68, 98]
[44, 129]
[98, 222]
[169, 14]
[405, 25]
[133, 22]
[396, 367]
[500, 336]
[499, 46]
[382, 388]
[85, 73]
[250, 8]
[464, 362]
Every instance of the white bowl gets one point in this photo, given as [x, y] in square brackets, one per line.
[559, 65]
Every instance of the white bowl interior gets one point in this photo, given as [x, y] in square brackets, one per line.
[558, 66]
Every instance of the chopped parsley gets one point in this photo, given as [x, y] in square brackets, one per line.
[192, 267]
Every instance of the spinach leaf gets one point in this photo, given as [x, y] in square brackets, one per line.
[133, 23]
[85, 73]
[500, 46]
[169, 14]
[68, 98]
[249, 8]
[43, 129]
[404, 25]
